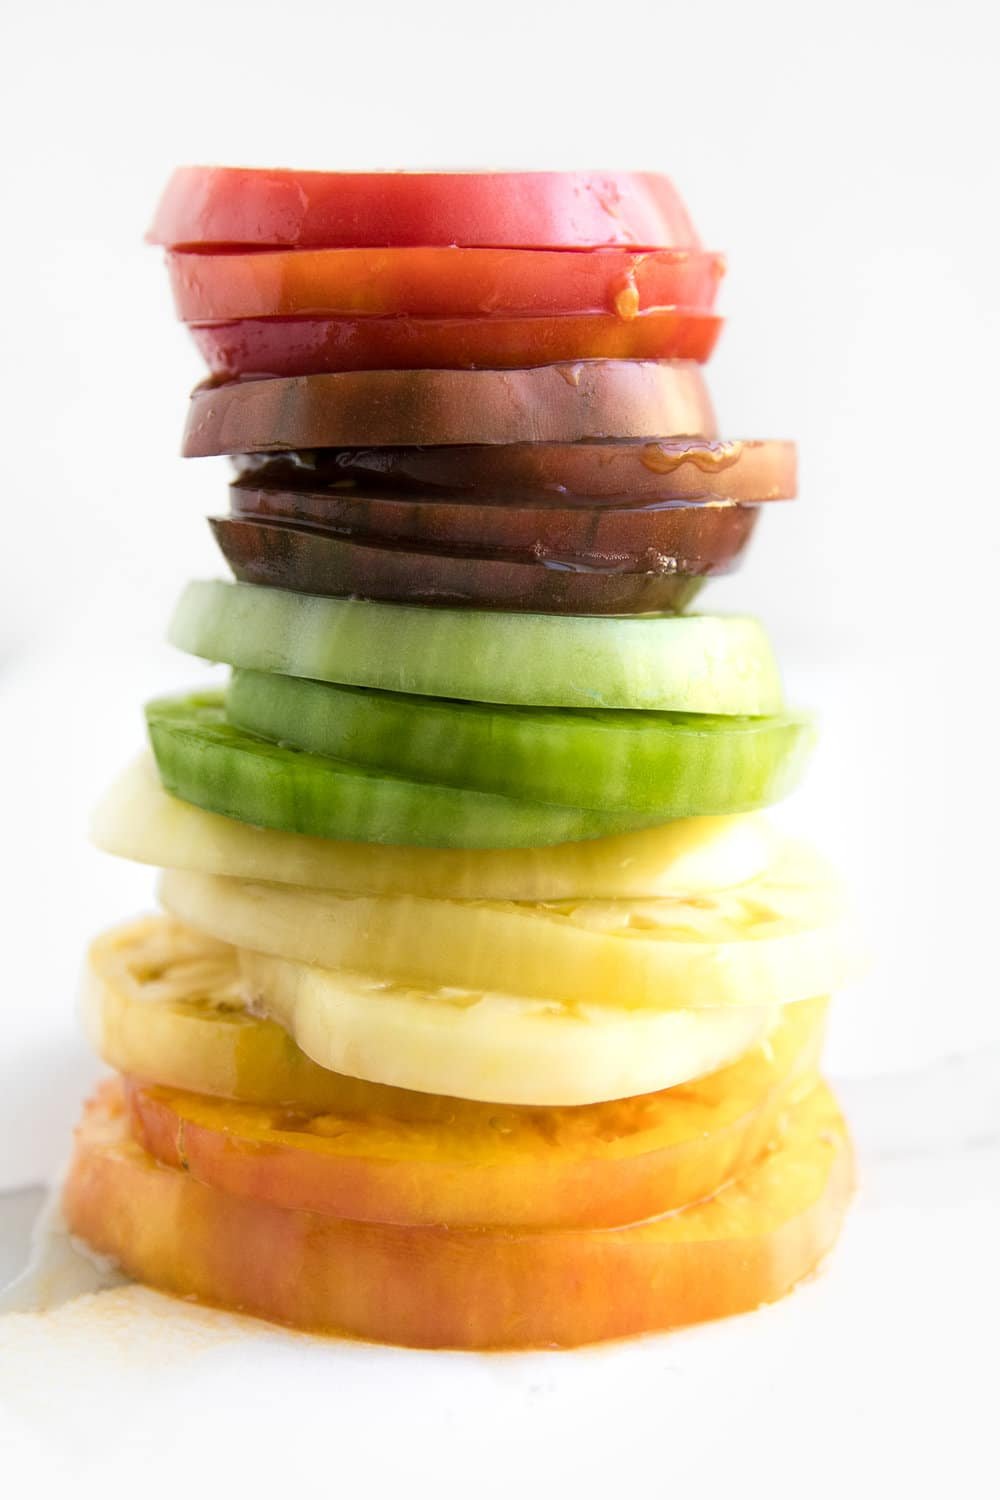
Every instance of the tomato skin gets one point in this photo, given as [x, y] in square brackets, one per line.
[588, 1166]
[436, 1287]
[255, 347]
[235, 206]
[438, 282]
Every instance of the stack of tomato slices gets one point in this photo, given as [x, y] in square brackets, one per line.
[420, 1219]
[300, 274]
[555, 320]
[486, 1011]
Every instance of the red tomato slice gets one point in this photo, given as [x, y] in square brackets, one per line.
[438, 283]
[472, 1288]
[319, 346]
[593, 1165]
[234, 206]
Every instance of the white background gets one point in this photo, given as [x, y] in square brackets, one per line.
[844, 156]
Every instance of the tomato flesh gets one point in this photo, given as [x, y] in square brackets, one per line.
[439, 1287]
[436, 282]
[318, 346]
[588, 1166]
[627, 477]
[309, 561]
[236, 206]
[694, 538]
[563, 403]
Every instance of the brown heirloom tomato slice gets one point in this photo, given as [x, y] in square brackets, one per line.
[672, 470]
[693, 538]
[563, 403]
[464, 1288]
[589, 1166]
[314, 346]
[314, 562]
[439, 282]
[230, 207]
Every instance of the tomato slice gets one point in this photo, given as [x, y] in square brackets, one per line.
[780, 938]
[137, 820]
[308, 561]
[470, 1288]
[316, 346]
[561, 403]
[216, 765]
[233, 206]
[167, 1006]
[439, 282]
[696, 664]
[589, 1166]
[627, 477]
[695, 539]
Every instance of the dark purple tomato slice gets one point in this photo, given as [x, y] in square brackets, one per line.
[544, 473]
[651, 537]
[562, 403]
[311, 562]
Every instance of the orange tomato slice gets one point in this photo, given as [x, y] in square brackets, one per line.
[438, 1287]
[484, 1164]
[433, 281]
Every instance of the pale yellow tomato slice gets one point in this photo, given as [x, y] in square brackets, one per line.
[167, 1005]
[773, 940]
[138, 820]
[481, 1044]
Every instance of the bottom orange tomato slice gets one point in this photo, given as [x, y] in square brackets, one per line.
[465, 1289]
[479, 1164]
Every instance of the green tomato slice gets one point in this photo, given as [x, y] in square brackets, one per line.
[207, 761]
[707, 664]
[676, 765]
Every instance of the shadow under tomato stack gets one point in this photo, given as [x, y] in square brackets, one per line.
[486, 1009]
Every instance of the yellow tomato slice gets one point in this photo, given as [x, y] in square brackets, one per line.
[479, 1044]
[167, 1005]
[138, 820]
[464, 1288]
[589, 1166]
[773, 940]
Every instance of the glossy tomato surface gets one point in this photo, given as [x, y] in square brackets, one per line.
[694, 538]
[307, 561]
[559, 475]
